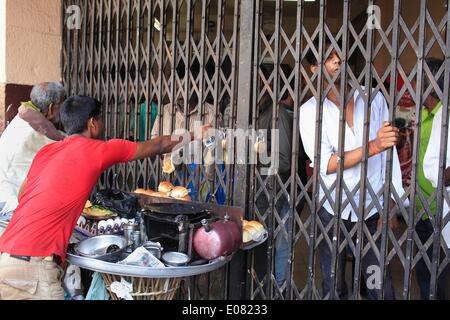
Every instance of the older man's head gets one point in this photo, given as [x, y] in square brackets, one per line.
[48, 97]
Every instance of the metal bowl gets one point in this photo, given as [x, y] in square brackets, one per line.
[175, 259]
[105, 247]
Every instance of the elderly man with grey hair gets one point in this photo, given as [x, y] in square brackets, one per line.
[34, 127]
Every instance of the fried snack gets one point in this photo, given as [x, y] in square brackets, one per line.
[165, 186]
[88, 204]
[168, 166]
[97, 211]
[260, 147]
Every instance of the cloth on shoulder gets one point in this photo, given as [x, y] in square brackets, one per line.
[30, 113]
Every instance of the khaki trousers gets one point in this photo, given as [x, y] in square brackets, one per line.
[37, 279]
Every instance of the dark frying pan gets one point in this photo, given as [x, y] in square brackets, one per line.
[175, 208]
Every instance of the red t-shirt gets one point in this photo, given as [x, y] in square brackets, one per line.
[59, 183]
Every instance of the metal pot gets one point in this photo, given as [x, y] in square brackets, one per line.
[217, 239]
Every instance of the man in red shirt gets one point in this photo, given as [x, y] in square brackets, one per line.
[53, 196]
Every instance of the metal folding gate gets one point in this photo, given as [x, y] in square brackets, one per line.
[222, 61]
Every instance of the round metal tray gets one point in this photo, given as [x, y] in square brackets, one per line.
[146, 272]
[252, 244]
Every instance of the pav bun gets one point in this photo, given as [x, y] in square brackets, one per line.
[165, 186]
[179, 192]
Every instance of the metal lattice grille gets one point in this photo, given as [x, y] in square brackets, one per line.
[242, 63]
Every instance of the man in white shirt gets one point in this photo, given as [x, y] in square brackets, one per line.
[382, 136]
[33, 127]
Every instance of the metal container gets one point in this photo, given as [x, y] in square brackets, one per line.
[175, 259]
[128, 230]
[105, 247]
[136, 238]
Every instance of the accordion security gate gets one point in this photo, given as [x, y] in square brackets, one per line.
[234, 57]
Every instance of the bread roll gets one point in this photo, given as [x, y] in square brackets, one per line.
[179, 192]
[165, 186]
[257, 234]
[160, 194]
[185, 198]
[246, 236]
[255, 224]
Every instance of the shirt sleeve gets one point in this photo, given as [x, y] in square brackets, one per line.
[308, 133]
[431, 159]
[117, 151]
[431, 165]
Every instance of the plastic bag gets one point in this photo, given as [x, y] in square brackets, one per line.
[97, 290]
[124, 204]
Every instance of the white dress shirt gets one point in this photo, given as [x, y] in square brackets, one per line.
[353, 140]
[19, 144]
[431, 165]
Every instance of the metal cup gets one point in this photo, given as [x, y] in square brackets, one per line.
[128, 230]
[136, 237]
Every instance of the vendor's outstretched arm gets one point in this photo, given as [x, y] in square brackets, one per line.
[164, 144]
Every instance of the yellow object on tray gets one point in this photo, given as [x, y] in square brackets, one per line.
[96, 211]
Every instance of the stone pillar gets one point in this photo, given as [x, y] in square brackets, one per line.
[30, 46]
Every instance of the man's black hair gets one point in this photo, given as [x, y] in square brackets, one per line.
[76, 112]
[310, 56]
[434, 64]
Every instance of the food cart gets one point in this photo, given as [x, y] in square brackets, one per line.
[176, 225]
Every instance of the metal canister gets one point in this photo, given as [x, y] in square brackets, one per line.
[136, 237]
[128, 230]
